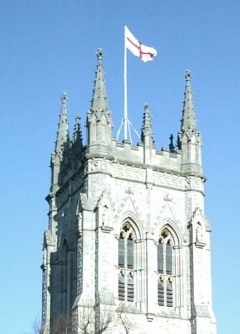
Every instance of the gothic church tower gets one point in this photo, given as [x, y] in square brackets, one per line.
[128, 240]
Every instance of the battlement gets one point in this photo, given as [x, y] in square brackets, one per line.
[130, 154]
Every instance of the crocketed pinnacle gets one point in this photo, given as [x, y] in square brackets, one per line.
[77, 134]
[99, 97]
[99, 119]
[147, 124]
[62, 141]
[188, 121]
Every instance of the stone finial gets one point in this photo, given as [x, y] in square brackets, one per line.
[146, 108]
[99, 54]
[147, 123]
[77, 119]
[64, 99]
[147, 135]
[188, 75]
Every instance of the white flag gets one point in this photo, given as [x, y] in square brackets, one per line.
[146, 53]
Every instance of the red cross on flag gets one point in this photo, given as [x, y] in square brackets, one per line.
[146, 53]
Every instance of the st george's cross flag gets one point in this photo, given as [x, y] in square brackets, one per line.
[146, 53]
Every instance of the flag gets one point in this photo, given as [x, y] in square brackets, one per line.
[146, 53]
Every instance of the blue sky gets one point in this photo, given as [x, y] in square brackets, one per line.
[48, 47]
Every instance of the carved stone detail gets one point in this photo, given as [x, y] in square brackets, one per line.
[129, 172]
[98, 165]
[128, 200]
[170, 180]
[168, 209]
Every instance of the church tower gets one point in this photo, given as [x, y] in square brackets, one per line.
[127, 249]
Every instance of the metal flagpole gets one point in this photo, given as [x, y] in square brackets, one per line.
[125, 118]
[125, 121]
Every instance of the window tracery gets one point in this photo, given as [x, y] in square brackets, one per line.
[126, 248]
[165, 268]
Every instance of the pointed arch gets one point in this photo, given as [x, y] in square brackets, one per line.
[126, 245]
[172, 228]
[168, 239]
[134, 221]
[129, 234]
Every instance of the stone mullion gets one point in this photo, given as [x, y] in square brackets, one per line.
[125, 266]
[164, 271]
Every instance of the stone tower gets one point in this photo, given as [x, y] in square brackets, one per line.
[127, 248]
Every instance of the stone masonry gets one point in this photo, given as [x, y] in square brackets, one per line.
[156, 198]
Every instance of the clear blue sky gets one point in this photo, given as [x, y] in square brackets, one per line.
[48, 47]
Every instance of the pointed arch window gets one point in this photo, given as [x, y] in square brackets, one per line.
[160, 292]
[121, 286]
[160, 255]
[121, 250]
[126, 247]
[169, 257]
[169, 293]
[130, 251]
[165, 269]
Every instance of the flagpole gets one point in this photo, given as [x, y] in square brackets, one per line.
[125, 118]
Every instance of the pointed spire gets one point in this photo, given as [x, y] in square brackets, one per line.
[99, 119]
[99, 101]
[63, 132]
[147, 124]
[188, 121]
[189, 139]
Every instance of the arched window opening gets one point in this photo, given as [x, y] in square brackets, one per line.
[169, 258]
[160, 292]
[126, 249]
[121, 286]
[130, 288]
[160, 255]
[169, 293]
[121, 251]
[165, 268]
[130, 251]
